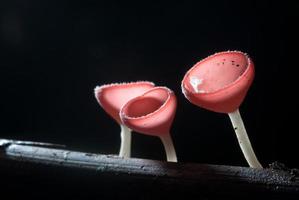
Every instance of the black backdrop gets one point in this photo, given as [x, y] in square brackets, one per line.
[53, 54]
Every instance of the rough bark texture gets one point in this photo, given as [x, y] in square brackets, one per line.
[36, 170]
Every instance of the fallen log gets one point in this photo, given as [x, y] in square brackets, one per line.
[39, 169]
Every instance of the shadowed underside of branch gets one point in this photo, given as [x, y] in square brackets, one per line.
[39, 170]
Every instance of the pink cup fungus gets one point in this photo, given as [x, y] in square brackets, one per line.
[152, 114]
[220, 83]
[112, 97]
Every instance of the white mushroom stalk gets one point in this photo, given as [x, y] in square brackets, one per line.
[243, 139]
[169, 148]
[125, 146]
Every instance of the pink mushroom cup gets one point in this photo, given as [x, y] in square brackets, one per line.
[112, 97]
[152, 114]
[220, 83]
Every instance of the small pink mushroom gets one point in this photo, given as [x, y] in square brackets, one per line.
[112, 97]
[152, 114]
[220, 83]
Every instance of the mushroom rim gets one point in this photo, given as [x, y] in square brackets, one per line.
[99, 89]
[126, 117]
[248, 67]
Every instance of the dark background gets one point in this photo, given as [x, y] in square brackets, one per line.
[53, 54]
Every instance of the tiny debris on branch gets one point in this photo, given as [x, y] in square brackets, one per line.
[34, 169]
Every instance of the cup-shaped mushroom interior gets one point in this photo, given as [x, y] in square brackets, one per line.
[151, 113]
[148, 105]
[217, 72]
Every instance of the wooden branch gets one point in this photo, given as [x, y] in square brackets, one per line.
[71, 174]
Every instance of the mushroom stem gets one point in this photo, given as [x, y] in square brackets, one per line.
[243, 139]
[169, 148]
[125, 147]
